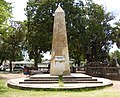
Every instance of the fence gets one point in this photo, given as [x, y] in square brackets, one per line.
[107, 72]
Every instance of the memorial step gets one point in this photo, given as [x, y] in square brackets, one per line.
[73, 79]
[53, 82]
[64, 77]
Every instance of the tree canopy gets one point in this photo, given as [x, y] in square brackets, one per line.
[87, 26]
[116, 34]
[114, 58]
[88, 29]
[12, 45]
[5, 14]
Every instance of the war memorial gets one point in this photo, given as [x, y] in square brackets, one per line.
[59, 66]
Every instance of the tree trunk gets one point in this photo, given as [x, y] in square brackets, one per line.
[1, 62]
[36, 62]
[94, 50]
[10, 66]
[118, 44]
[78, 62]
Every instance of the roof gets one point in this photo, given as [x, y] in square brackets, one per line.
[22, 62]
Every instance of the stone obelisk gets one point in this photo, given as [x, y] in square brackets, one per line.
[59, 55]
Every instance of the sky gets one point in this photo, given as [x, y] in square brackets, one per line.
[18, 9]
[19, 5]
[109, 5]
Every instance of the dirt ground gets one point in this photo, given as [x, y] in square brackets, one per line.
[8, 76]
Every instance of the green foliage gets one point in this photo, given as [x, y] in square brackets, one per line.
[2, 86]
[5, 14]
[116, 34]
[11, 47]
[87, 26]
[40, 25]
[13, 41]
[114, 55]
[61, 83]
[98, 31]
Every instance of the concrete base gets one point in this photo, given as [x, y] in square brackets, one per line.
[100, 82]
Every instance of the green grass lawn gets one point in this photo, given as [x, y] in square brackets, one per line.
[9, 92]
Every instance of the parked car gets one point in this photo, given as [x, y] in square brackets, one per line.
[18, 68]
[3, 67]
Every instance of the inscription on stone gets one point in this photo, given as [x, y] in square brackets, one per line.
[59, 58]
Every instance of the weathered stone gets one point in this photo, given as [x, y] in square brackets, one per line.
[60, 55]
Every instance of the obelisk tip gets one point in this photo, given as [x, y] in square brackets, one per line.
[59, 9]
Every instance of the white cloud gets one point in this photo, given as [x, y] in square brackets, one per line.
[114, 48]
[19, 5]
[111, 6]
[18, 9]
[114, 7]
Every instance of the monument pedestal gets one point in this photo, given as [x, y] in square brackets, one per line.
[59, 66]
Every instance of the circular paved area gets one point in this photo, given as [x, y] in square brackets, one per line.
[14, 83]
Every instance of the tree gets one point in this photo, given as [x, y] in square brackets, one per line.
[113, 57]
[5, 14]
[87, 26]
[40, 23]
[3, 54]
[13, 42]
[116, 34]
[40, 26]
[98, 31]
[89, 29]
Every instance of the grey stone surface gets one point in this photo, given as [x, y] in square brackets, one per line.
[15, 83]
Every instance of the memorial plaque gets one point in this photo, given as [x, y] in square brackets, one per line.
[59, 58]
